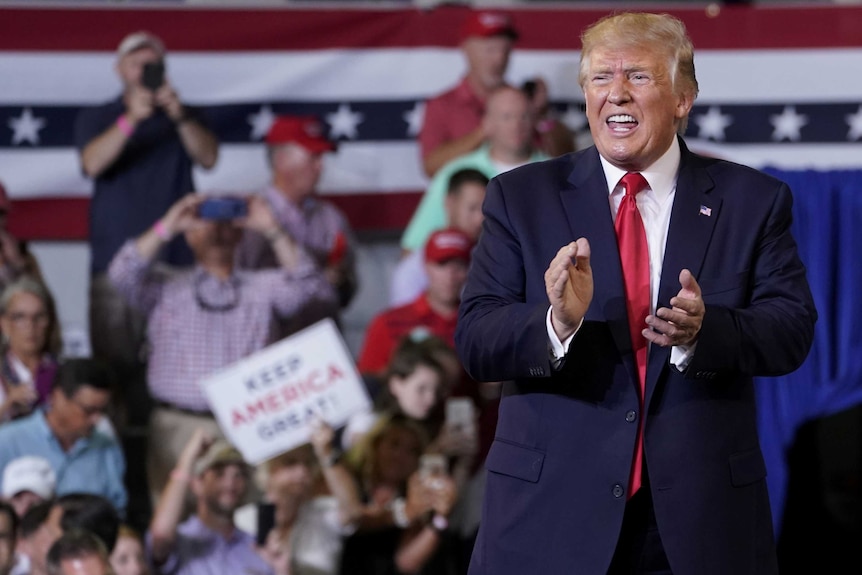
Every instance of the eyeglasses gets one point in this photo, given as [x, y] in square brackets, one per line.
[89, 410]
[20, 318]
[220, 307]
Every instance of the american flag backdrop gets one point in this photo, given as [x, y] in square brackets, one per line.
[779, 87]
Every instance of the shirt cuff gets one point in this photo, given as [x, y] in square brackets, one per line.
[680, 356]
[558, 348]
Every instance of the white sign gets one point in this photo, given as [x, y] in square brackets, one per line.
[265, 402]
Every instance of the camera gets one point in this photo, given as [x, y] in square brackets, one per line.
[223, 208]
[153, 75]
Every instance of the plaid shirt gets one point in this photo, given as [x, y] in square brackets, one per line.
[198, 324]
[320, 228]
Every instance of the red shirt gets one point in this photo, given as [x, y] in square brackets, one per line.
[388, 327]
[385, 332]
[449, 116]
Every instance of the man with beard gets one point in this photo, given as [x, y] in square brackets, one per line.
[208, 541]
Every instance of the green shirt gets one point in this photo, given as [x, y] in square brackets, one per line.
[430, 214]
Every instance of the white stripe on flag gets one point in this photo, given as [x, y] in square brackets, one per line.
[726, 76]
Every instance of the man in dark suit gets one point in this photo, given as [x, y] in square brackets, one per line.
[627, 440]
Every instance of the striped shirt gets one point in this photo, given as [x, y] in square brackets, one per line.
[198, 324]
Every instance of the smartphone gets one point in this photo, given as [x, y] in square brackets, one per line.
[460, 412]
[265, 521]
[432, 465]
[223, 208]
[153, 75]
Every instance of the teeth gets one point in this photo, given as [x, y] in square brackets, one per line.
[622, 118]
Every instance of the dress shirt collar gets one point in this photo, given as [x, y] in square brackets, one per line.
[41, 421]
[661, 175]
[464, 92]
[196, 527]
[281, 204]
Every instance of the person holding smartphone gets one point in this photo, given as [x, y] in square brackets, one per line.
[139, 149]
[393, 498]
[204, 317]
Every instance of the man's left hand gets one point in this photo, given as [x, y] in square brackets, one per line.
[168, 100]
[260, 217]
[681, 324]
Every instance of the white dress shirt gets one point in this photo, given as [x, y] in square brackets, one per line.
[655, 204]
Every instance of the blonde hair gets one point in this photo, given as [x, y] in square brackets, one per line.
[38, 289]
[361, 458]
[638, 30]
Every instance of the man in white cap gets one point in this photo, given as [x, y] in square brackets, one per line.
[28, 480]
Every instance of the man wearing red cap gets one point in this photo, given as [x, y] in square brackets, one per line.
[453, 119]
[447, 256]
[295, 148]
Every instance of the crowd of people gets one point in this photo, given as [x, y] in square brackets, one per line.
[184, 284]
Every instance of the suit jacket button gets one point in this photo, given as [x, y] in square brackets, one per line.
[618, 490]
[631, 415]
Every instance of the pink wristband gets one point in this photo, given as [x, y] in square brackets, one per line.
[125, 126]
[180, 475]
[162, 231]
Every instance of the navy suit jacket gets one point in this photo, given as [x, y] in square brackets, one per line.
[558, 469]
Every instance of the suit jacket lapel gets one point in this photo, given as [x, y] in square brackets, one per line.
[588, 212]
[695, 210]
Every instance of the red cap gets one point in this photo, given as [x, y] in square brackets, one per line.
[307, 131]
[486, 24]
[448, 244]
[4, 198]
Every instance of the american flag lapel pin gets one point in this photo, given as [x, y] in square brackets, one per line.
[705, 211]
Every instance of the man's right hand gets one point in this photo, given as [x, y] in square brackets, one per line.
[181, 216]
[140, 104]
[569, 285]
[198, 444]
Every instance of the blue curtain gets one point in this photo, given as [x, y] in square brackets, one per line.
[828, 228]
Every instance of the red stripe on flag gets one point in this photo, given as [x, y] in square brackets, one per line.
[64, 218]
[212, 29]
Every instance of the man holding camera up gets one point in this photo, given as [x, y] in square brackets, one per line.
[139, 150]
[204, 317]
[295, 147]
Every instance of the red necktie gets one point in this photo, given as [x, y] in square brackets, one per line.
[634, 256]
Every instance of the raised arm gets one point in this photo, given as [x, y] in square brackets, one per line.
[199, 141]
[169, 512]
[103, 150]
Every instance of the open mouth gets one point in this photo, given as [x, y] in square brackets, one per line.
[621, 122]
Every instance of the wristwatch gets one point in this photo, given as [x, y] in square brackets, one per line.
[438, 523]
